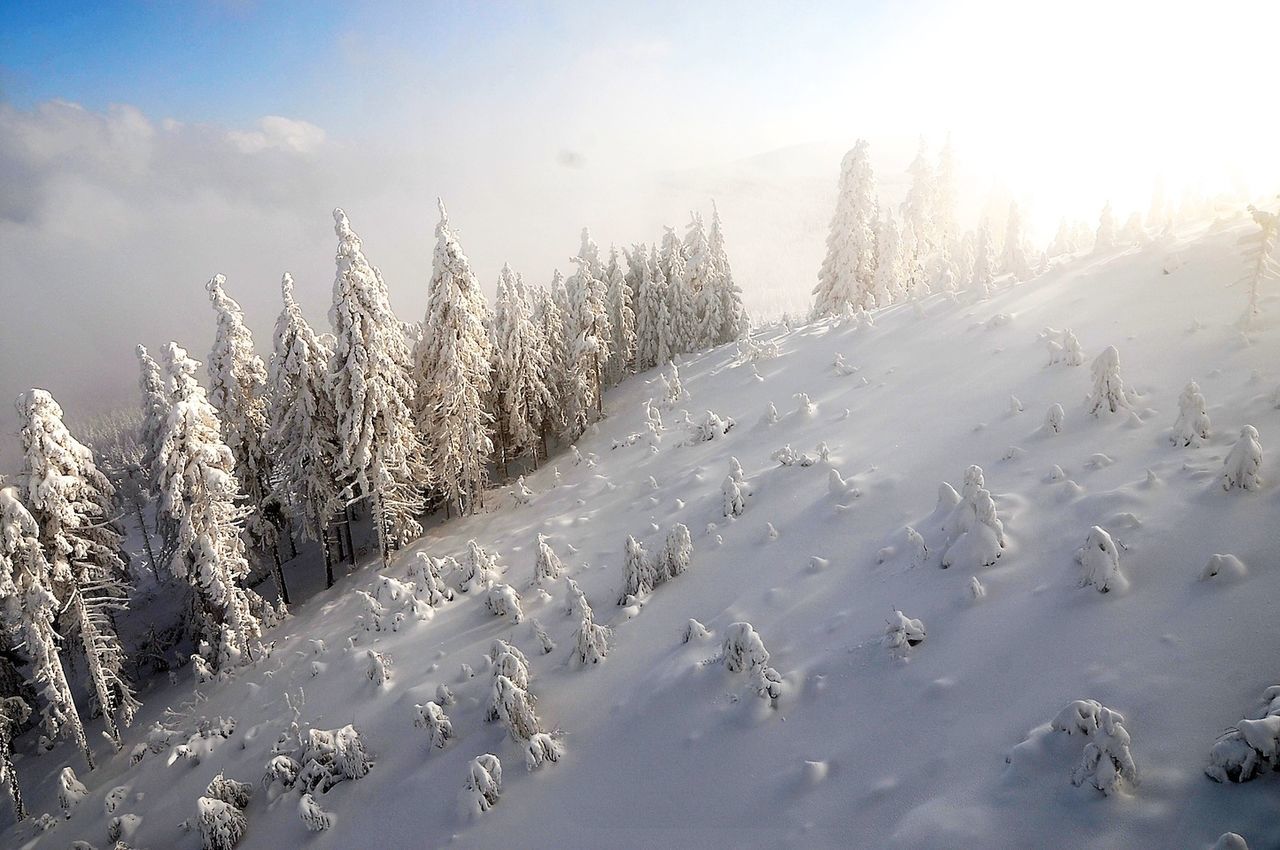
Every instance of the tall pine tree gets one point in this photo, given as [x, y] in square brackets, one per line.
[847, 277]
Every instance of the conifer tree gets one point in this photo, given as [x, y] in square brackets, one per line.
[734, 321]
[945, 201]
[588, 333]
[1106, 238]
[451, 371]
[846, 278]
[681, 306]
[521, 370]
[648, 309]
[919, 229]
[887, 281]
[699, 281]
[302, 424]
[71, 501]
[379, 453]
[983, 261]
[622, 320]
[551, 333]
[238, 391]
[199, 493]
[1015, 260]
[155, 409]
[29, 607]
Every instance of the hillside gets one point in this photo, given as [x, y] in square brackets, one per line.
[664, 747]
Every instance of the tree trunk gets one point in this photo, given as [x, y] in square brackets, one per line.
[146, 539]
[346, 529]
[278, 574]
[6, 767]
[325, 544]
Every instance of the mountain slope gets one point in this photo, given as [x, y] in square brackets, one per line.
[664, 747]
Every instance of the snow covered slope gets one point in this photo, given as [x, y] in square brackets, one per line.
[941, 744]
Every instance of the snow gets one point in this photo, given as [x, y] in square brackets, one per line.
[660, 747]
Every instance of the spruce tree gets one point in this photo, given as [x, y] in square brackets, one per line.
[302, 424]
[238, 391]
[622, 319]
[379, 453]
[550, 323]
[846, 278]
[29, 608]
[155, 409]
[451, 373]
[521, 373]
[199, 493]
[682, 310]
[1015, 261]
[649, 299]
[734, 321]
[71, 501]
[699, 281]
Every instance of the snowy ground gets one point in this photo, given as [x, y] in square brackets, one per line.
[664, 749]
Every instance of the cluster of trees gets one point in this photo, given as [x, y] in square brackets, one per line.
[405, 418]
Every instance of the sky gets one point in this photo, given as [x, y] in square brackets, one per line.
[146, 146]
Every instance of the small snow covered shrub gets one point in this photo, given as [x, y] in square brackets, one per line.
[484, 782]
[677, 552]
[313, 817]
[514, 707]
[432, 718]
[229, 791]
[1192, 425]
[743, 649]
[976, 589]
[1063, 347]
[502, 600]
[1106, 762]
[1108, 387]
[1228, 565]
[693, 630]
[521, 492]
[675, 391]
[590, 641]
[379, 669]
[222, 825]
[917, 547]
[427, 573]
[770, 416]
[478, 568]
[1251, 747]
[711, 426]
[544, 639]
[1240, 469]
[281, 770]
[639, 574]
[734, 501]
[903, 632]
[842, 368]
[787, 456]
[374, 617]
[328, 757]
[70, 791]
[804, 407]
[547, 567]
[975, 534]
[1100, 562]
[1053, 419]
[539, 749]
[576, 601]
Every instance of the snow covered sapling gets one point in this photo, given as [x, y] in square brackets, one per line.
[428, 580]
[711, 426]
[541, 748]
[590, 641]
[484, 782]
[1106, 762]
[974, 531]
[229, 791]
[917, 547]
[693, 630]
[1053, 419]
[313, 817]
[479, 569]
[1108, 387]
[1240, 469]
[547, 567]
[1251, 747]
[674, 390]
[639, 573]
[514, 707]
[502, 600]
[1100, 562]
[787, 456]
[521, 492]
[677, 552]
[379, 669]
[432, 718]
[1192, 425]
[70, 791]
[222, 825]
[374, 617]
[544, 639]
[14, 711]
[734, 501]
[743, 649]
[902, 632]
[328, 757]
[770, 415]
[804, 407]
[842, 368]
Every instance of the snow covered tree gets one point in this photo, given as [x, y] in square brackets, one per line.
[451, 370]
[432, 718]
[379, 453]
[549, 322]
[975, 534]
[1240, 469]
[72, 504]
[639, 573]
[945, 200]
[622, 319]
[699, 281]
[1100, 562]
[1192, 425]
[29, 609]
[238, 391]
[484, 782]
[302, 424]
[743, 649]
[1106, 235]
[1262, 258]
[222, 825]
[313, 817]
[547, 567]
[199, 493]
[681, 298]
[1251, 747]
[155, 410]
[1015, 261]
[650, 297]
[888, 277]
[733, 320]
[676, 553]
[1108, 386]
[521, 388]
[846, 278]
[502, 600]
[920, 236]
[903, 632]
[734, 499]
[70, 791]
[14, 711]
[983, 261]
[590, 640]
[1063, 240]
[1106, 762]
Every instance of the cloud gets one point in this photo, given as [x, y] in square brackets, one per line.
[277, 133]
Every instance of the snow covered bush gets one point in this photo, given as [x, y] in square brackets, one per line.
[374, 617]
[313, 817]
[1192, 425]
[328, 757]
[1100, 562]
[222, 825]
[734, 500]
[1250, 747]
[916, 547]
[502, 600]
[521, 492]
[1228, 565]
[478, 569]
[544, 639]
[427, 573]
[547, 566]
[70, 791]
[693, 630]
[590, 641]
[431, 717]
[841, 367]
[379, 669]
[1108, 387]
[770, 416]
[787, 456]
[229, 791]
[484, 782]
[743, 649]
[903, 632]
[676, 553]
[539, 749]
[1106, 762]
[1053, 419]
[514, 707]
[975, 534]
[674, 390]
[711, 426]
[804, 407]
[1240, 469]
